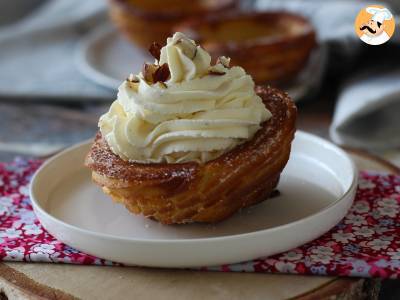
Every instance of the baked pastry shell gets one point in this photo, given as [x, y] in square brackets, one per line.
[209, 192]
[271, 46]
[145, 22]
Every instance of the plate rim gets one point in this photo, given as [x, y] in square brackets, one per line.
[82, 62]
[298, 91]
[252, 234]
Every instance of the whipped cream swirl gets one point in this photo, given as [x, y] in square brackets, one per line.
[199, 113]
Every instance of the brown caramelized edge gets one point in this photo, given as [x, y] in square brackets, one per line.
[103, 161]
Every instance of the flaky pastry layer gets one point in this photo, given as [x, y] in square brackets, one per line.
[191, 192]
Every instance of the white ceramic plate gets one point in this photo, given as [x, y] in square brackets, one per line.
[317, 188]
[107, 59]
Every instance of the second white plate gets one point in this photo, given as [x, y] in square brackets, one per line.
[317, 188]
[106, 58]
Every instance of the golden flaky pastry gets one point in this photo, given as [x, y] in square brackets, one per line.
[210, 192]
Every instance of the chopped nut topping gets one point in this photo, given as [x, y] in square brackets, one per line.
[133, 81]
[148, 70]
[154, 73]
[155, 50]
[214, 72]
[133, 78]
[162, 73]
[187, 47]
[217, 69]
[163, 84]
[223, 60]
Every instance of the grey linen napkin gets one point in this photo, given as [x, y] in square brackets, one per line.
[367, 114]
[37, 60]
[37, 53]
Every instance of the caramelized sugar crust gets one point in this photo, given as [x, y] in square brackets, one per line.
[190, 192]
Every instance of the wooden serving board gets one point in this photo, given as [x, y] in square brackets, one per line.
[57, 281]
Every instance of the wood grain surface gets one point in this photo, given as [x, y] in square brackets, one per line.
[56, 281]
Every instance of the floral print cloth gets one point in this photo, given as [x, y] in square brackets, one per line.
[366, 243]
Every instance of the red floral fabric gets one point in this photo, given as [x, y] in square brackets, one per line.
[366, 243]
[22, 238]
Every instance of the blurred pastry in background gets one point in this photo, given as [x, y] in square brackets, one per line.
[272, 46]
[147, 21]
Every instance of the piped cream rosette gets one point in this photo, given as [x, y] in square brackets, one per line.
[196, 114]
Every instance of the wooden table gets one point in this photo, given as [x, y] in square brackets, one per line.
[52, 281]
[56, 281]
